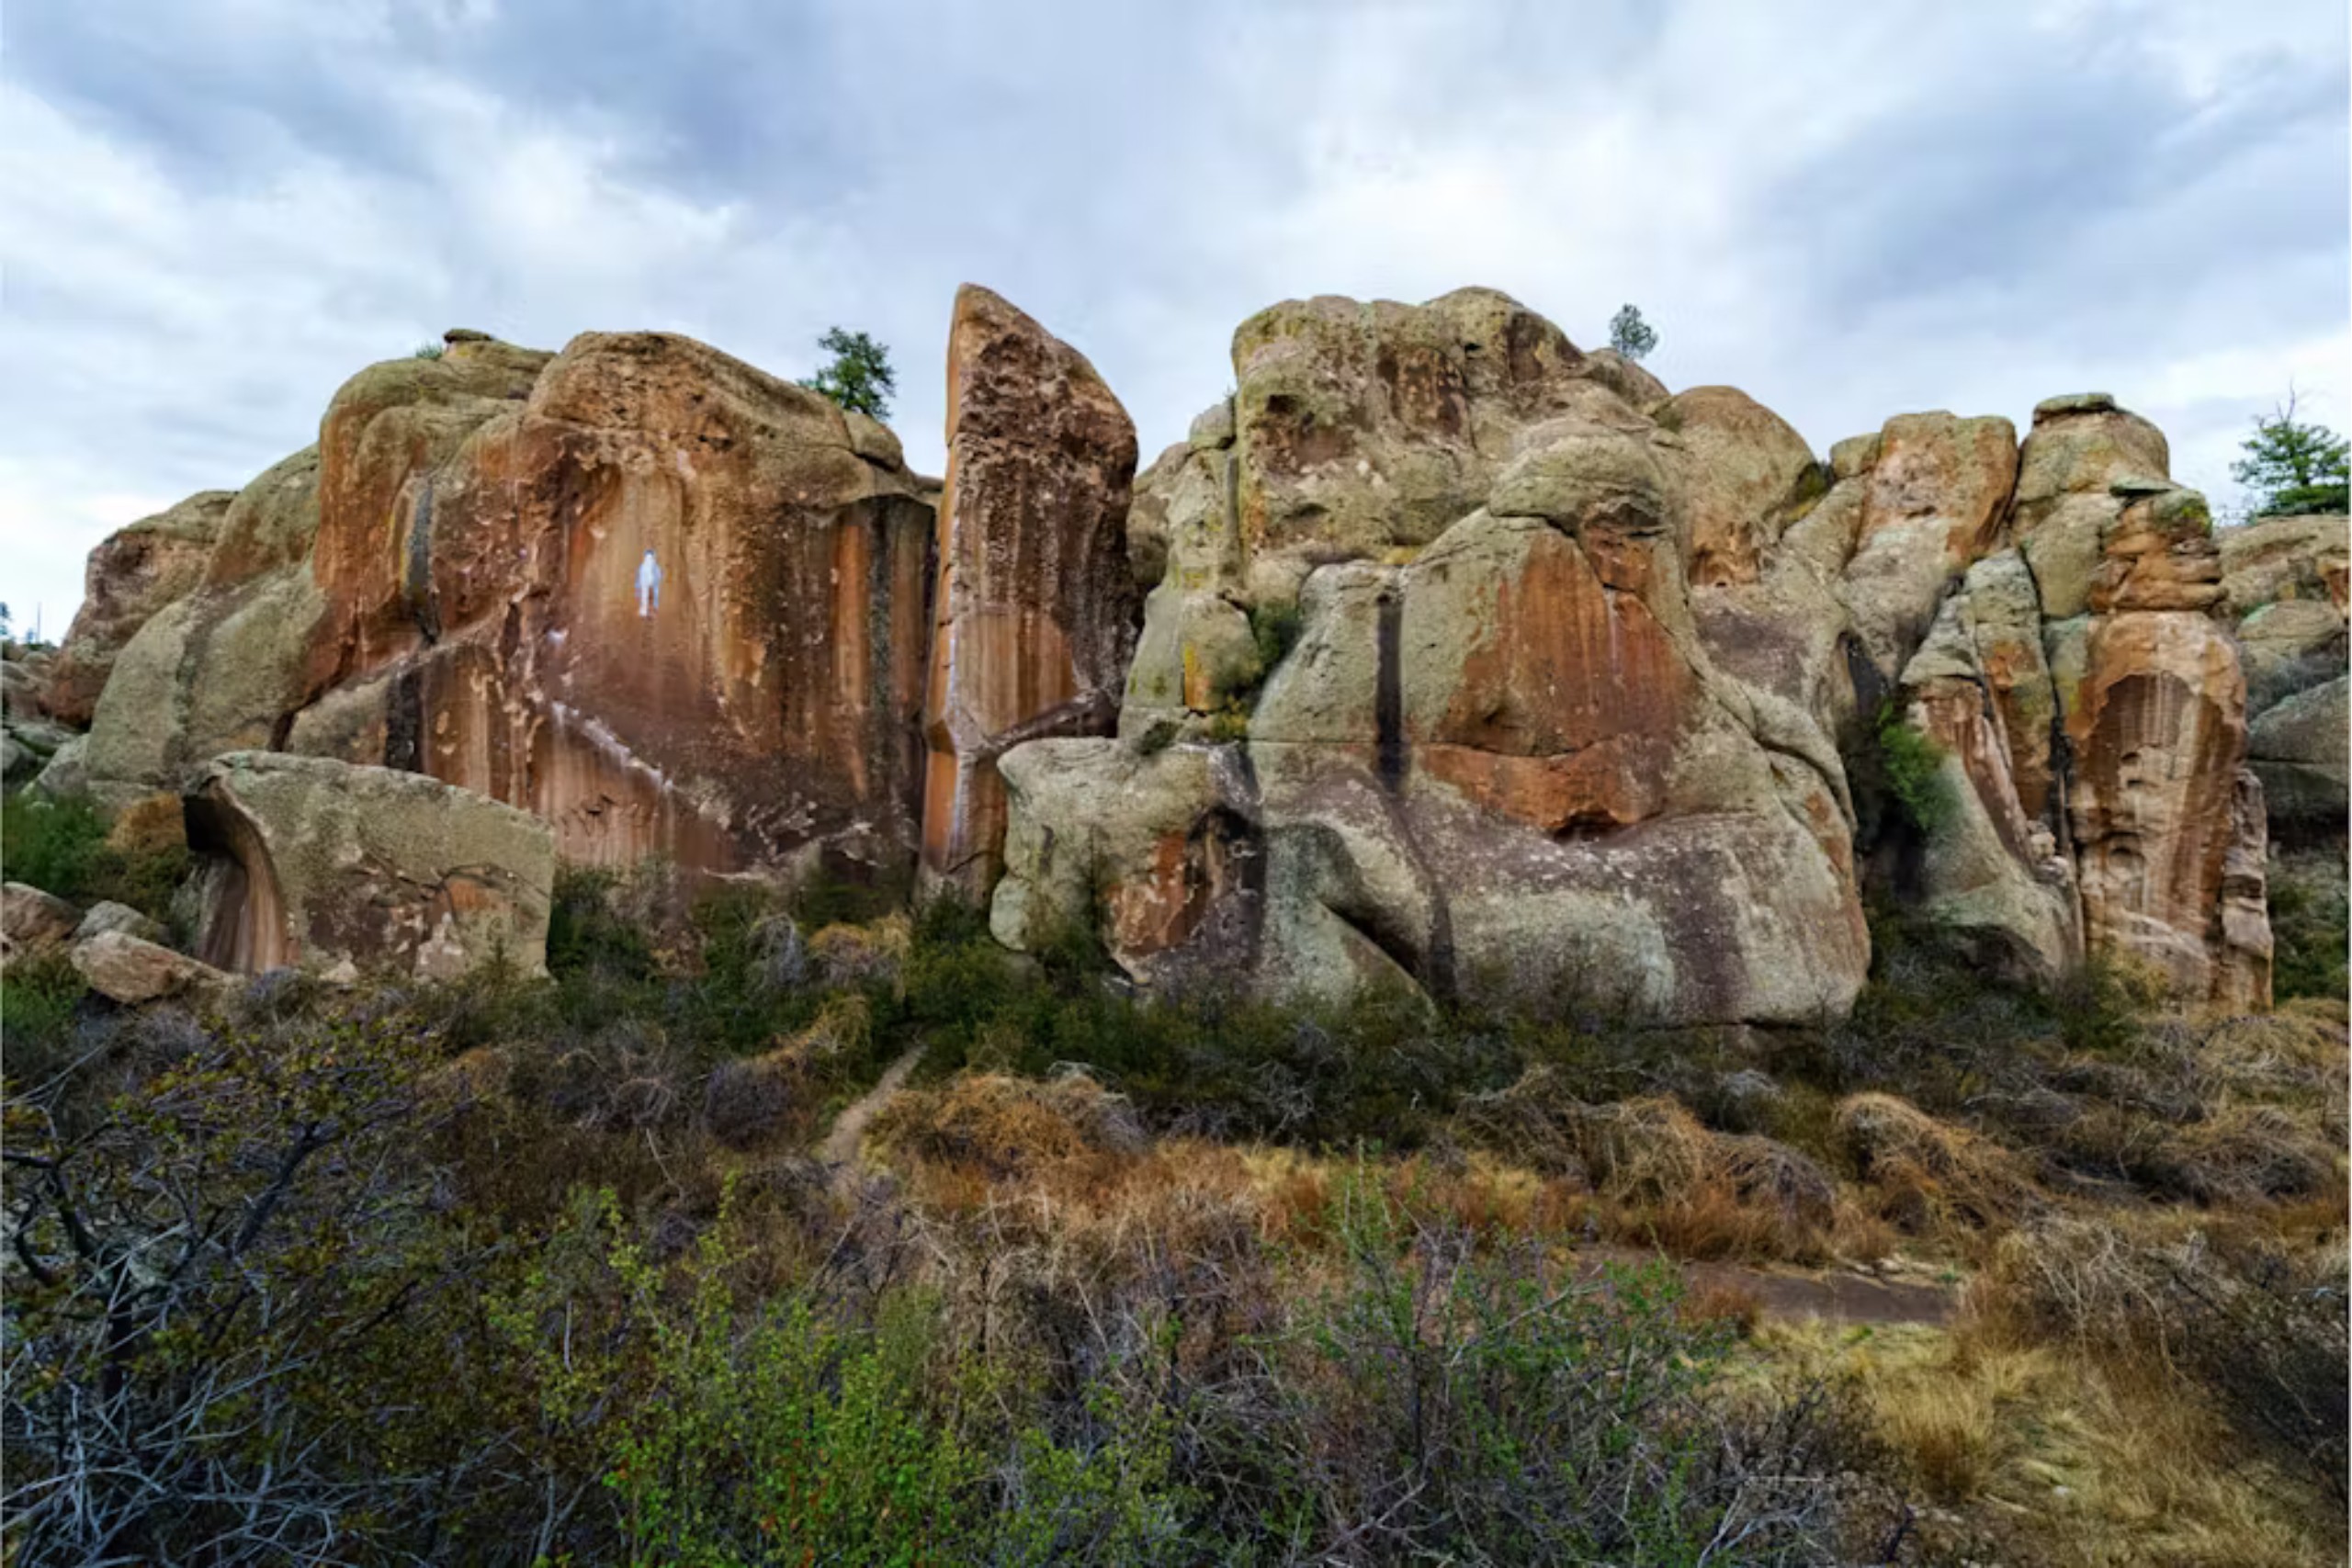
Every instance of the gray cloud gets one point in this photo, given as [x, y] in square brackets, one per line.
[216, 212]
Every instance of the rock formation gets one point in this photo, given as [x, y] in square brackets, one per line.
[2283, 585]
[1440, 656]
[1499, 756]
[669, 603]
[1581, 672]
[343, 868]
[1036, 608]
[134, 574]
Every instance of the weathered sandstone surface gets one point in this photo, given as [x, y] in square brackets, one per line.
[1473, 665]
[1440, 656]
[339, 868]
[1035, 608]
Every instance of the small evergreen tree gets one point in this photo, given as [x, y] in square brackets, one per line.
[1629, 335]
[2294, 467]
[859, 378]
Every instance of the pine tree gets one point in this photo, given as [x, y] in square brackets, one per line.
[2294, 467]
[859, 378]
[1629, 335]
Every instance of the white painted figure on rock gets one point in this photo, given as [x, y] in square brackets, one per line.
[648, 584]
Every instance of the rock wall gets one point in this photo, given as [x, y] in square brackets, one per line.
[1476, 663]
[1440, 656]
[1035, 606]
[668, 603]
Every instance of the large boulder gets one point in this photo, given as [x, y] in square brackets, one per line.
[669, 603]
[2082, 459]
[133, 970]
[131, 575]
[33, 921]
[344, 868]
[2276, 559]
[2299, 748]
[1505, 768]
[1036, 611]
[222, 666]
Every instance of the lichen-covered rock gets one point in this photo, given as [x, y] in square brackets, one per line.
[1362, 428]
[1934, 500]
[66, 772]
[2275, 559]
[1504, 767]
[1744, 472]
[2299, 748]
[105, 915]
[132, 970]
[1143, 848]
[33, 921]
[328, 865]
[1979, 690]
[223, 665]
[1036, 611]
[2289, 646]
[2158, 738]
[131, 575]
[2158, 555]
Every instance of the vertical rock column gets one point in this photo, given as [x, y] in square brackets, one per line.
[1036, 608]
[2168, 817]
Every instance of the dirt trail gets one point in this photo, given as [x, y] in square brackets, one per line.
[1838, 1297]
[839, 1151]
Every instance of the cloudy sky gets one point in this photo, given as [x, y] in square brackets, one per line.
[212, 211]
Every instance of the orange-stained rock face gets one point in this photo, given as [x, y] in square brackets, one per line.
[1569, 702]
[2159, 555]
[1744, 473]
[661, 602]
[2158, 735]
[1035, 613]
[387, 436]
[697, 617]
[1958, 471]
[132, 574]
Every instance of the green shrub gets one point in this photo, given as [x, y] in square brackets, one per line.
[2309, 926]
[1275, 627]
[1448, 1405]
[38, 995]
[1913, 767]
[584, 933]
[61, 846]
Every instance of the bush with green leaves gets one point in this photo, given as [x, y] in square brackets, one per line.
[1913, 767]
[61, 846]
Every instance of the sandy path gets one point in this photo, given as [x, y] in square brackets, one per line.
[839, 1151]
[1838, 1297]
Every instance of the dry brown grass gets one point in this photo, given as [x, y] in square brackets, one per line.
[155, 825]
[1929, 1178]
[1663, 1180]
[2031, 1454]
[1725, 1301]
[846, 956]
[1008, 1126]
